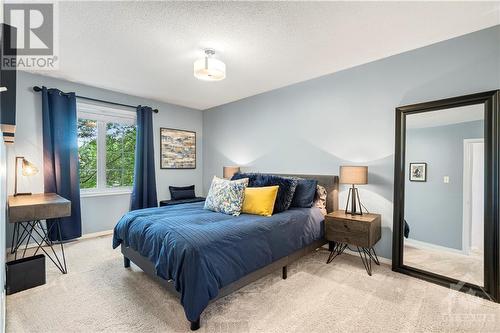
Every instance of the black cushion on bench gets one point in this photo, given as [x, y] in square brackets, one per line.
[182, 192]
[182, 201]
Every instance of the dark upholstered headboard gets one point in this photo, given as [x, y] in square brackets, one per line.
[330, 183]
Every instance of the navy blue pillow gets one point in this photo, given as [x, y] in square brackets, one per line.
[252, 177]
[304, 193]
[286, 190]
[181, 192]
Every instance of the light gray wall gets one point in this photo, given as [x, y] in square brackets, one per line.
[433, 209]
[347, 117]
[3, 215]
[98, 213]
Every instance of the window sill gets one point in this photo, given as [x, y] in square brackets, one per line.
[102, 193]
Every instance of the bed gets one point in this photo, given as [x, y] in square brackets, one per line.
[202, 256]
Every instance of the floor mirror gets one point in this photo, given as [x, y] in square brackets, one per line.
[446, 186]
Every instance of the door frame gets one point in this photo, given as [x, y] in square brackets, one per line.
[491, 101]
[467, 197]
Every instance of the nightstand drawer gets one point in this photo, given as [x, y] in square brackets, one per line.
[335, 226]
[350, 233]
[362, 231]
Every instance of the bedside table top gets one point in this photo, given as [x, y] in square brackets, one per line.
[340, 214]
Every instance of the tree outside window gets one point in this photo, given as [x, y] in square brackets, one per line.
[106, 149]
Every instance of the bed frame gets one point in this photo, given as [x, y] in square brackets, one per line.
[331, 185]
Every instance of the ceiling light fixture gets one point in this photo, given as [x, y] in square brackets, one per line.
[209, 68]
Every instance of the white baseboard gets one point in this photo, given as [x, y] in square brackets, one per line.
[355, 253]
[382, 260]
[85, 236]
[428, 246]
[97, 234]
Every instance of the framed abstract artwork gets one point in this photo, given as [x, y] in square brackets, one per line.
[177, 149]
[418, 172]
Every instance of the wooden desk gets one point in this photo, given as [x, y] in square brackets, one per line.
[27, 213]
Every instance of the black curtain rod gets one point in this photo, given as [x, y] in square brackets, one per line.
[37, 89]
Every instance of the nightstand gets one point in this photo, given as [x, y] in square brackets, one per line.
[362, 231]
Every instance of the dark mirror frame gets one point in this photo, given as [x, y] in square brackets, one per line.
[491, 101]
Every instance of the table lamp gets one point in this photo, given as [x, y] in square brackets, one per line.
[229, 171]
[354, 175]
[28, 169]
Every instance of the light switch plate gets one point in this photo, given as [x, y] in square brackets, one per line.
[446, 179]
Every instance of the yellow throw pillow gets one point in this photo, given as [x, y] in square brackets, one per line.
[259, 200]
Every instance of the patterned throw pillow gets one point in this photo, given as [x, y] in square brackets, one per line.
[226, 196]
[320, 199]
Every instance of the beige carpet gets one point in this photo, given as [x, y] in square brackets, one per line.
[459, 266]
[100, 295]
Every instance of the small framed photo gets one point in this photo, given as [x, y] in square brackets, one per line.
[418, 172]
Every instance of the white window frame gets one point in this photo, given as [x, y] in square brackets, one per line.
[103, 115]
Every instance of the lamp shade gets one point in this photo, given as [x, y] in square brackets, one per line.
[356, 175]
[229, 171]
[209, 68]
[28, 168]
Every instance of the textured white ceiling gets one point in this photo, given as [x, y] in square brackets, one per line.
[148, 48]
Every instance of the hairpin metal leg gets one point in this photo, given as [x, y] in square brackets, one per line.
[366, 259]
[19, 239]
[24, 232]
[373, 255]
[41, 240]
[13, 244]
[62, 246]
[337, 250]
[29, 232]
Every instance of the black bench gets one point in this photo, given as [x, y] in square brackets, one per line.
[181, 201]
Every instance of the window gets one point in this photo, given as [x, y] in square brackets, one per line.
[120, 154]
[87, 152]
[106, 148]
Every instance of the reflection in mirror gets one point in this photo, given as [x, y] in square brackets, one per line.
[444, 189]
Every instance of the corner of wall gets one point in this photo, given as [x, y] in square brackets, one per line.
[3, 218]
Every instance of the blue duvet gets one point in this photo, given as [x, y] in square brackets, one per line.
[203, 251]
